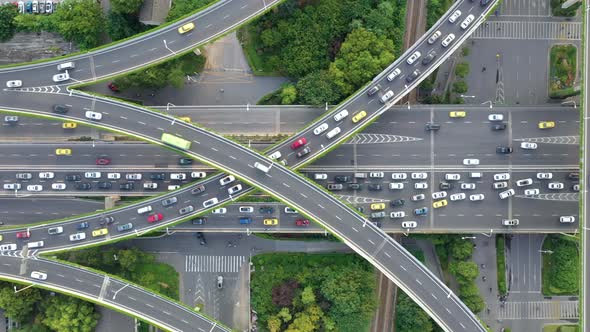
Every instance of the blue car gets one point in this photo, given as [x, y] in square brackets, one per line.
[83, 225]
[421, 211]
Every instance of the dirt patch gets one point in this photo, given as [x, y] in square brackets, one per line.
[29, 46]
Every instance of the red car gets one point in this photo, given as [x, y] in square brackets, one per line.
[113, 87]
[103, 160]
[155, 217]
[23, 235]
[301, 222]
[299, 143]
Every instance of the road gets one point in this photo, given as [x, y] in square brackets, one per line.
[585, 241]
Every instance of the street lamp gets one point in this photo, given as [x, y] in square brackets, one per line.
[22, 289]
[166, 45]
[464, 96]
[488, 101]
[546, 251]
[468, 237]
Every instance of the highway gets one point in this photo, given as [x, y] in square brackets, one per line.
[585, 202]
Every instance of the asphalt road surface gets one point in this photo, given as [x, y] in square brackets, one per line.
[585, 201]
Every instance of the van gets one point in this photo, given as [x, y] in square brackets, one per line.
[66, 65]
[144, 209]
[333, 133]
[261, 167]
[360, 175]
[475, 175]
[35, 244]
[245, 220]
[8, 246]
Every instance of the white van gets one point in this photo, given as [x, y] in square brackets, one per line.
[144, 209]
[333, 132]
[66, 65]
[261, 167]
[35, 244]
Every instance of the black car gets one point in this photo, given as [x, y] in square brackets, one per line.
[484, 3]
[499, 126]
[73, 177]
[158, 176]
[375, 187]
[503, 149]
[198, 189]
[303, 152]
[445, 186]
[377, 223]
[198, 221]
[373, 90]
[360, 209]
[574, 176]
[355, 186]
[413, 76]
[185, 161]
[342, 178]
[201, 238]
[104, 185]
[266, 209]
[107, 220]
[428, 58]
[397, 202]
[432, 126]
[60, 109]
[126, 186]
[84, 186]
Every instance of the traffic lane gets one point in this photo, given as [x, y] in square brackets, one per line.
[30, 128]
[405, 153]
[23, 210]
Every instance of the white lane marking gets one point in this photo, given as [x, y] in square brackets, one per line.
[436, 298]
[338, 218]
[418, 281]
[403, 268]
[386, 254]
[122, 117]
[115, 61]
[373, 243]
[153, 49]
[143, 123]
[131, 298]
[197, 142]
[232, 157]
[321, 206]
[208, 26]
[354, 229]
[149, 305]
[302, 194]
[214, 149]
[286, 185]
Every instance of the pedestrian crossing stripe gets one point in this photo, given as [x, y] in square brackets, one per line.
[219, 264]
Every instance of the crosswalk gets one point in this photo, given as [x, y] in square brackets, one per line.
[539, 310]
[221, 264]
[529, 30]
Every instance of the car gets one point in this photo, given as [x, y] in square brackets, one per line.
[575, 176]
[186, 28]
[169, 201]
[501, 176]
[150, 185]
[210, 202]
[133, 176]
[275, 155]
[498, 126]
[113, 87]
[29, 6]
[439, 194]
[467, 21]
[524, 182]
[153, 176]
[156, 217]
[484, 3]
[198, 189]
[412, 76]
[77, 237]
[177, 176]
[428, 58]
[333, 133]
[304, 152]
[334, 186]
[446, 186]
[14, 84]
[528, 146]
[359, 116]
[73, 177]
[100, 232]
[377, 175]
[320, 129]
[399, 176]
[434, 37]
[373, 90]
[270, 221]
[197, 175]
[457, 197]
[378, 206]
[82, 225]
[185, 161]
[46, 175]
[63, 152]
[61, 77]
[397, 214]
[409, 224]
[23, 235]
[125, 227]
[35, 7]
[448, 40]
[529, 192]
[419, 176]
[355, 186]
[39, 275]
[173, 187]
[301, 222]
[430, 126]
[500, 185]
[320, 176]
[266, 210]
[495, 117]
[24, 176]
[55, 230]
[219, 211]
[35, 187]
[21, 7]
[106, 220]
[378, 215]
[92, 175]
[555, 185]
[453, 18]
[421, 211]
[503, 149]
[126, 186]
[246, 209]
[567, 219]
[452, 177]
[298, 143]
[395, 73]
[219, 282]
[290, 210]
[227, 180]
[439, 204]
[418, 197]
[546, 124]
[374, 187]
[12, 186]
[199, 221]
[457, 114]
[11, 119]
[69, 125]
[412, 58]
[342, 178]
[8, 246]
[476, 197]
[544, 176]
[506, 194]
[397, 202]
[510, 222]
[420, 185]
[234, 189]
[83, 186]
[467, 186]
[470, 162]
[60, 109]
[360, 209]
[103, 160]
[396, 186]
[340, 115]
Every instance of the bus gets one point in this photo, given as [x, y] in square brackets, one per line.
[176, 141]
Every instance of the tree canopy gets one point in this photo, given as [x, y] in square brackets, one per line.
[80, 21]
[69, 314]
[7, 25]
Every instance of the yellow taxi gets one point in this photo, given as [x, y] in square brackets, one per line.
[1, 237]
[273, 221]
[439, 204]
[100, 232]
[457, 114]
[359, 116]
[63, 152]
[69, 125]
[186, 28]
[185, 119]
[378, 206]
[546, 124]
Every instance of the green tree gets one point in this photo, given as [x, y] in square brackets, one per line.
[464, 271]
[462, 69]
[563, 266]
[285, 315]
[274, 324]
[469, 294]
[128, 259]
[387, 19]
[80, 21]
[461, 250]
[288, 94]
[182, 7]
[362, 55]
[410, 317]
[7, 25]
[18, 306]
[121, 26]
[460, 87]
[68, 314]
[126, 6]
[307, 296]
[317, 88]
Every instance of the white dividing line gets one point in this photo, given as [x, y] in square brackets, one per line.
[153, 49]
[321, 206]
[214, 149]
[149, 305]
[418, 281]
[373, 243]
[166, 312]
[302, 194]
[386, 254]
[122, 117]
[286, 185]
[354, 229]
[142, 123]
[232, 157]
[133, 55]
[338, 218]
[197, 142]
[131, 298]
[403, 268]
[436, 298]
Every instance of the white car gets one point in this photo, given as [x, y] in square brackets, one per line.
[501, 176]
[34, 187]
[529, 192]
[470, 162]
[495, 117]
[567, 219]
[177, 176]
[524, 182]
[11, 186]
[528, 146]
[510, 222]
[555, 185]
[500, 185]
[340, 115]
[92, 175]
[275, 155]
[476, 197]
[396, 186]
[77, 237]
[452, 177]
[420, 185]
[409, 224]
[434, 37]
[453, 18]
[113, 176]
[58, 186]
[173, 187]
[376, 175]
[246, 209]
[439, 194]
[413, 57]
[39, 275]
[150, 185]
[395, 73]
[457, 197]
[198, 175]
[397, 214]
[234, 189]
[93, 115]
[133, 176]
[419, 197]
[290, 210]
[544, 176]
[576, 187]
[61, 77]
[320, 129]
[506, 194]
[226, 180]
[219, 211]
[46, 175]
[320, 176]
[14, 84]
[467, 21]
[419, 176]
[399, 176]
[448, 40]
[469, 186]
